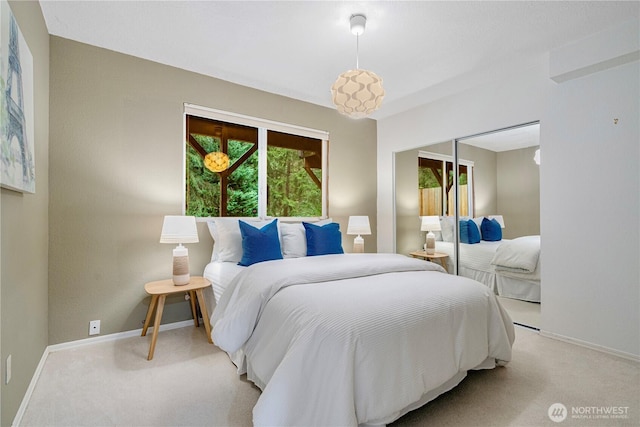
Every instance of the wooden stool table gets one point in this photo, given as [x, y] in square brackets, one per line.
[159, 291]
[440, 256]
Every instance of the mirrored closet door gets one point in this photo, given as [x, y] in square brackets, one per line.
[497, 192]
[423, 187]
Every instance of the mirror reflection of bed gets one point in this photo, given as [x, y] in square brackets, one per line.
[499, 181]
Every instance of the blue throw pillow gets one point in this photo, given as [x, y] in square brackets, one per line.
[259, 244]
[474, 233]
[464, 231]
[491, 231]
[323, 240]
[469, 232]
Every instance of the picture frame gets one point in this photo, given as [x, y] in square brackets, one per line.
[17, 140]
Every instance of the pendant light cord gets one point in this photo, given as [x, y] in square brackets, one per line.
[357, 52]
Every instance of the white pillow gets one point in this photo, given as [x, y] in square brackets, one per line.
[214, 235]
[293, 238]
[227, 240]
[294, 242]
[478, 222]
[446, 228]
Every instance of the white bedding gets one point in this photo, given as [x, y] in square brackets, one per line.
[519, 255]
[476, 261]
[476, 256]
[220, 274]
[339, 340]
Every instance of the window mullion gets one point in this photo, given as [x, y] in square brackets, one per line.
[262, 172]
[470, 189]
[325, 178]
[445, 195]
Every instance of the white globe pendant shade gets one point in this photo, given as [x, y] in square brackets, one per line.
[357, 93]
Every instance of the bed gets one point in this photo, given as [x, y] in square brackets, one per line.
[351, 339]
[509, 267]
[479, 262]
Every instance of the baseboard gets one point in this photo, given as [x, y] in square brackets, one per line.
[116, 336]
[32, 385]
[600, 348]
[522, 325]
[81, 343]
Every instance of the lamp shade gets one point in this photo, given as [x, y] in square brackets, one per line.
[499, 219]
[357, 93]
[359, 225]
[430, 223]
[179, 229]
[216, 161]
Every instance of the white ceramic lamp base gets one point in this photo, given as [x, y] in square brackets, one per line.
[181, 266]
[430, 247]
[358, 245]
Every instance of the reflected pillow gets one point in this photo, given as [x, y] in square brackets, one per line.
[469, 232]
[474, 231]
[478, 221]
[323, 240]
[259, 244]
[446, 228]
[491, 231]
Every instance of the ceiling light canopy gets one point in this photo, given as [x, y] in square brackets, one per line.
[357, 93]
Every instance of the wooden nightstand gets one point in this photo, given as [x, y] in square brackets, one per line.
[159, 291]
[438, 255]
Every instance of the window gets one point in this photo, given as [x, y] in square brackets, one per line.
[435, 185]
[275, 169]
[294, 175]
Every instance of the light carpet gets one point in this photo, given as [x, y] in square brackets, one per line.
[193, 383]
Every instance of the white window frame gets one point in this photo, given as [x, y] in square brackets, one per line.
[263, 125]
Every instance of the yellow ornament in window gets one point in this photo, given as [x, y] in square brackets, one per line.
[216, 161]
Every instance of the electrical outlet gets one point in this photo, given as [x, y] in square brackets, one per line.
[94, 327]
[7, 373]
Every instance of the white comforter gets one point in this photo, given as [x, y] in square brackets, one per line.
[359, 338]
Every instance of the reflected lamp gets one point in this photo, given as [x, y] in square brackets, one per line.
[216, 161]
[430, 224]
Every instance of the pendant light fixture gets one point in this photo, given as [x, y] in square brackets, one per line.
[216, 161]
[357, 93]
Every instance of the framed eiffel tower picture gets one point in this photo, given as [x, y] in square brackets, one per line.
[17, 145]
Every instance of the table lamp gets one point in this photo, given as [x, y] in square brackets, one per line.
[358, 225]
[430, 224]
[179, 229]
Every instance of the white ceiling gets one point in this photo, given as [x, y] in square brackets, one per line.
[508, 139]
[422, 49]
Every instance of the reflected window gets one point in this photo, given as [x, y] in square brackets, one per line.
[435, 185]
